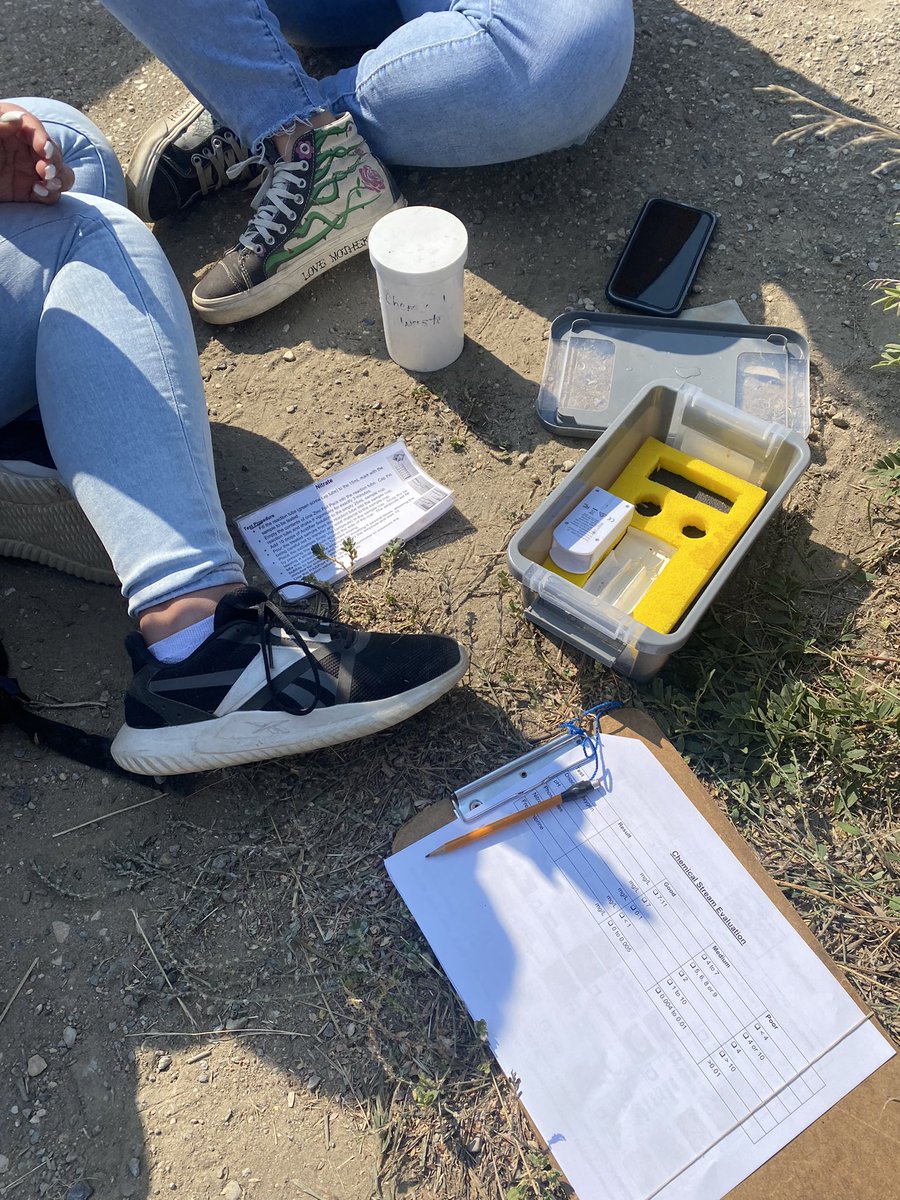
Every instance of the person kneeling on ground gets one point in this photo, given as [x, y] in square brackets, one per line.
[449, 83]
[106, 472]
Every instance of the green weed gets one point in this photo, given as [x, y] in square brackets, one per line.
[885, 476]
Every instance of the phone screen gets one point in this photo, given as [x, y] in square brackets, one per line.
[661, 257]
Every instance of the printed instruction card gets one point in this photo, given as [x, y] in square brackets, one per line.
[669, 1027]
[382, 497]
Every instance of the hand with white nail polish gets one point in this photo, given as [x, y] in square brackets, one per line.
[31, 164]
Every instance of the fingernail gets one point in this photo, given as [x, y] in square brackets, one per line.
[50, 173]
[54, 185]
[40, 190]
[48, 150]
[9, 117]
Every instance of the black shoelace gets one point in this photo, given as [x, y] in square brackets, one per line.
[295, 621]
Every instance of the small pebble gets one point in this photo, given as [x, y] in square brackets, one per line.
[68, 1036]
[4, 1164]
[313, 1082]
[164, 1063]
[232, 1190]
[289, 356]
[80, 1191]
[60, 930]
[36, 1066]
[841, 421]
[134, 1167]
[568, 464]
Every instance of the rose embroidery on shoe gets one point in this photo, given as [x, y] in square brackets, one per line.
[371, 179]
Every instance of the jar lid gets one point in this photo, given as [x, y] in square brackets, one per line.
[415, 245]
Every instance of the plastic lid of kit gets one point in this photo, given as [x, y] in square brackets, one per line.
[418, 244]
[597, 363]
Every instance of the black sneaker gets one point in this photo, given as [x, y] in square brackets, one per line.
[181, 159]
[271, 681]
[312, 211]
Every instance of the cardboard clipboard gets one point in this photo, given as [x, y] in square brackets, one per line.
[852, 1152]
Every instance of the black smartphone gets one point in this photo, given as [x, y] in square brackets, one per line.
[657, 267]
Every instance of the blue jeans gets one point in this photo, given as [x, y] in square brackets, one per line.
[450, 83]
[95, 332]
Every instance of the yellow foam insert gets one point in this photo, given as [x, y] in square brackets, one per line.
[696, 559]
[579, 579]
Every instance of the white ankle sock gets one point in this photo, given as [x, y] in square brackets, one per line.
[178, 646]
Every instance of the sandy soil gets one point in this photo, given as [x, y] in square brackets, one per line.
[264, 896]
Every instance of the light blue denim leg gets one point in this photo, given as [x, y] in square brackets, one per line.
[451, 83]
[94, 327]
[83, 146]
[486, 81]
[233, 57]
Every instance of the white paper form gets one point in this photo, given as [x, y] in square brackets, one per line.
[384, 496]
[670, 1029]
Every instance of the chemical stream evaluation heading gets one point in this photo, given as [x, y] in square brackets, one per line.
[717, 908]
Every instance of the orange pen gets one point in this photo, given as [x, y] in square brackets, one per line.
[575, 792]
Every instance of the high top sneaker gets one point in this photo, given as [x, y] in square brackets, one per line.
[181, 159]
[272, 680]
[313, 210]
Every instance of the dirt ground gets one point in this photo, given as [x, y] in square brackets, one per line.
[260, 905]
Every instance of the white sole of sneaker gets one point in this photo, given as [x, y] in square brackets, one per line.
[149, 150]
[293, 276]
[41, 522]
[246, 737]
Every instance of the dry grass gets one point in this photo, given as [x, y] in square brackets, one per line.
[820, 121]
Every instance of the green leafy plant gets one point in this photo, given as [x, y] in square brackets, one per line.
[426, 1091]
[348, 549]
[392, 555]
[885, 475]
[544, 1180]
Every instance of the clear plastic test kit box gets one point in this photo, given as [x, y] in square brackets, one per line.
[596, 616]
